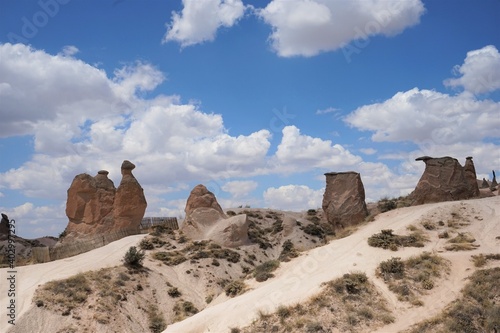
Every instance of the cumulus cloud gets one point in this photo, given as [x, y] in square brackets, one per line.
[480, 72]
[240, 188]
[90, 128]
[302, 152]
[199, 20]
[308, 27]
[427, 116]
[293, 197]
[37, 88]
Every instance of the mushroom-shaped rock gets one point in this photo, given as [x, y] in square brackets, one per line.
[444, 179]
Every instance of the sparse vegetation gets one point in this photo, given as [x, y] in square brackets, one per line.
[174, 292]
[476, 311]
[64, 294]
[481, 259]
[346, 304]
[263, 271]
[288, 251]
[133, 257]
[462, 242]
[386, 204]
[157, 323]
[234, 288]
[183, 309]
[410, 278]
[387, 240]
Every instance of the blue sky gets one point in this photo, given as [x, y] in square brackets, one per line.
[254, 99]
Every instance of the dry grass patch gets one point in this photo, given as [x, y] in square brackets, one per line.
[387, 240]
[411, 278]
[263, 271]
[347, 304]
[481, 259]
[462, 242]
[478, 310]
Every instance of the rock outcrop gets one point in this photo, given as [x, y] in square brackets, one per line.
[494, 183]
[444, 179]
[344, 199]
[471, 177]
[205, 219]
[4, 227]
[96, 208]
[485, 183]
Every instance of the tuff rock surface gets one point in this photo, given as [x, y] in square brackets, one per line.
[205, 219]
[344, 199]
[444, 179]
[95, 207]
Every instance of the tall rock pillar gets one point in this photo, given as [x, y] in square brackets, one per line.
[344, 199]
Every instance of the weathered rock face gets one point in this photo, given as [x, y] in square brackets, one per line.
[4, 227]
[95, 207]
[130, 202]
[205, 219]
[344, 199]
[471, 177]
[444, 179]
[485, 184]
[201, 197]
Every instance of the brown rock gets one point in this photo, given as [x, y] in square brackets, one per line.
[444, 179]
[494, 183]
[471, 177]
[485, 183]
[4, 227]
[201, 197]
[130, 203]
[95, 207]
[344, 199]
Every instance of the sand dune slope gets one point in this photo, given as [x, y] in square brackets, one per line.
[297, 280]
[28, 278]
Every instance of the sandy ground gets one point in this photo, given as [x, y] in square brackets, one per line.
[28, 278]
[297, 280]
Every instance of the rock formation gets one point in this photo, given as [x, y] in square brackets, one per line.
[494, 183]
[205, 219]
[4, 227]
[485, 183]
[344, 199]
[130, 203]
[95, 207]
[471, 177]
[444, 179]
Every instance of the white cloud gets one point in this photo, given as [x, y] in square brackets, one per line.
[308, 27]
[69, 51]
[199, 20]
[301, 152]
[327, 110]
[426, 116]
[38, 89]
[293, 197]
[480, 72]
[240, 188]
[368, 151]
